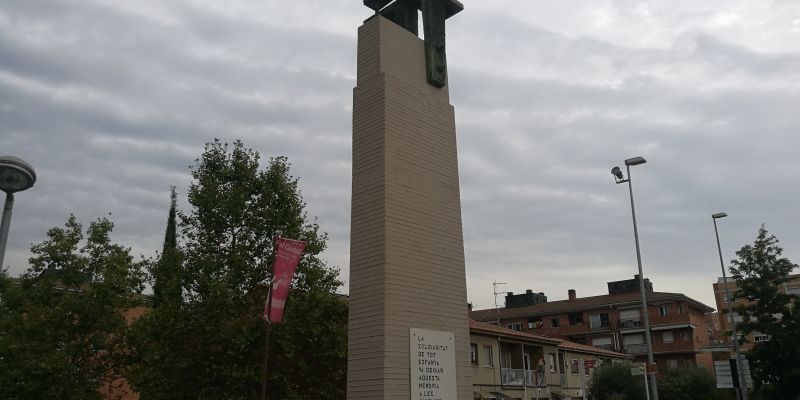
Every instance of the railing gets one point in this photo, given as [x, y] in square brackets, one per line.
[519, 377]
[599, 326]
[636, 348]
[605, 346]
[720, 342]
[512, 377]
[630, 323]
[534, 378]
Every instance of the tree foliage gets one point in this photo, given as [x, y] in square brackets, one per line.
[760, 271]
[687, 383]
[211, 345]
[166, 273]
[615, 382]
[62, 322]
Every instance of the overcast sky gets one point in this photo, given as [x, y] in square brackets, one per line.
[111, 101]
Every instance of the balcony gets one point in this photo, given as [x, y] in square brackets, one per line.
[635, 348]
[677, 346]
[630, 323]
[516, 377]
[599, 326]
[534, 378]
[512, 377]
[671, 318]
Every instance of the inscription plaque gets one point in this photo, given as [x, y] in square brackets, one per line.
[433, 365]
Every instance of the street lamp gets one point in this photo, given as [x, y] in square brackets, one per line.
[619, 178]
[15, 176]
[739, 366]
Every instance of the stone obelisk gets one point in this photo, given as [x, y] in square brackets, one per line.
[408, 327]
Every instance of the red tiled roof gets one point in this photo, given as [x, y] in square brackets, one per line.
[497, 330]
[632, 298]
[475, 326]
[566, 344]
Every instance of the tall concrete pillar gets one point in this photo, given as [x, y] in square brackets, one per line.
[407, 282]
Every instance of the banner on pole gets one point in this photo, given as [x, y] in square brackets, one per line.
[286, 259]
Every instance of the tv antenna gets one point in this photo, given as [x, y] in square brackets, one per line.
[494, 285]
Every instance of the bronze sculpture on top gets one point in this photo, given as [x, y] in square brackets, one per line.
[434, 13]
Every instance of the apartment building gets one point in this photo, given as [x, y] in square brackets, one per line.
[614, 322]
[510, 364]
[791, 286]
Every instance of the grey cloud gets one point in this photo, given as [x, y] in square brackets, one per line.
[112, 106]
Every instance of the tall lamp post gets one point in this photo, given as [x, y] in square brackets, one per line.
[15, 176]
[621, 179]
[735, 339]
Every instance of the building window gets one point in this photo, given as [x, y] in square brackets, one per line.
[535, 323]
[663, 310]
[684, 336]
[575, 318]
[602, 343]
[760, 337]
[629, 319]
[667, 337]
[634, 344]
[672, 364]
[488, 360]
[598, 321]
[551, 362]
[515, 326]
[680, 308]
[736, 317]
[573, 367]
[554, 322]
[473, 354]
[505, 358]
[727, 298]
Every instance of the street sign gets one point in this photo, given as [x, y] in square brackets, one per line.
[726, 375]
[638, 370]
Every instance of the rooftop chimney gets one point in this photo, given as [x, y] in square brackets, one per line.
[571, 294]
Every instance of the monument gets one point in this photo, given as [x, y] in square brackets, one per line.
[408, 327]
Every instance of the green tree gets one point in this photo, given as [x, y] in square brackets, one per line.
[155, 365]
[615, 382]
[166, 273]
[213, 343]
[62, 322]
[759, 271]
[688, 383]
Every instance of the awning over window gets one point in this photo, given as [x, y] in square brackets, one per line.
[658, 328]
[673, 326]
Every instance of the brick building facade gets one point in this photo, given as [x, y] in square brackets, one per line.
[613, 322]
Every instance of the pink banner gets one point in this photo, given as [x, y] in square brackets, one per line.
[286, 260]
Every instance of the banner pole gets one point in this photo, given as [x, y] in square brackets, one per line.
[266, 343]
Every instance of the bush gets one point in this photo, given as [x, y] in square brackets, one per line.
[689, 383]
[614, 382]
